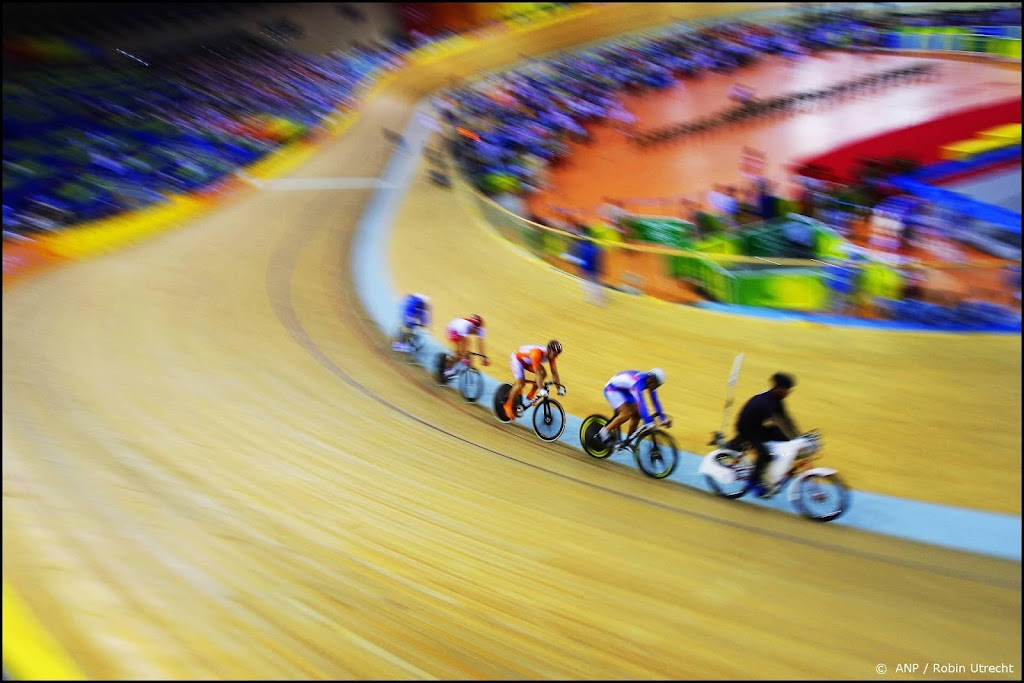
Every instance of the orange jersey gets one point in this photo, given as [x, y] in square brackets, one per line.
[530, 355]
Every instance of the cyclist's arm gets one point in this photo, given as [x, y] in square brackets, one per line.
[554, 372]
[658, 412]
[785, 423]
[480, 345]
[638, 396]
[425, 317]
[537, 365]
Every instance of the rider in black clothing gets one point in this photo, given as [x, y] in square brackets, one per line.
[762, 419]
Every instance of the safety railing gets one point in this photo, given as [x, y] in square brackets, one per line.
[830, 277]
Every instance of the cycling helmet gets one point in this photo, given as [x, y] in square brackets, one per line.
[554, 347]
[423, 297]
[476, 320]
[658, 375]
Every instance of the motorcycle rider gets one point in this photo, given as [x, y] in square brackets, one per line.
[762, 419]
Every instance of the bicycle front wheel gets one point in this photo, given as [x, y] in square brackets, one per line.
[416, 346]
[549, 420]
[472, 384]
[656, 454]
[822, 497]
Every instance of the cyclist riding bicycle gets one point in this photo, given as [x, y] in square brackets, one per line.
[459, 331]
[762, 419]
[531, 358]
[625, 393]
[415, 313]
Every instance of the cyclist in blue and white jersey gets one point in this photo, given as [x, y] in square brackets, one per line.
[415, 313]
[625, 393]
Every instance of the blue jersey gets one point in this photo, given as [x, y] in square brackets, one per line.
[631, 384]
[415, 311]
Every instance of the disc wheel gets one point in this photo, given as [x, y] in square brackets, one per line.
[591, 440]
[498, 404]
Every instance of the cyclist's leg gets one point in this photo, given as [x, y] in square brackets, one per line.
[453, 340]
[634, 418]
[517, 386]
[620, 404]
[762, 456]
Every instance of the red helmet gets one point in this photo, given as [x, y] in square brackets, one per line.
[476, 320]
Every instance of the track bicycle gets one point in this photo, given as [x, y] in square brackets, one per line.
[548, 414]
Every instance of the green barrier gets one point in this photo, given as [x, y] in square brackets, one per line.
[719, 244]
[788, 289]
[718, 282]
[554, 244]
[879, 280]
[828, 244]
[709, 224]
[770, 239]
[666, 231]
[604, 233]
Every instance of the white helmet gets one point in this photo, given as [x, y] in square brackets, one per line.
[658, 375]
[423, 297]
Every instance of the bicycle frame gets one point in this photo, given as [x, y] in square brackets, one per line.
[536, 399]
[463, 363]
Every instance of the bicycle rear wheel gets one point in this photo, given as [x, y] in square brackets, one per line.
[498, 404]
[741, 465]
[439, 365]
[590, 439]
[549, 420]
[656, 454]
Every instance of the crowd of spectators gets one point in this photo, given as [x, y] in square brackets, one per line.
[87, 141]
[514, 127]
[102, 136]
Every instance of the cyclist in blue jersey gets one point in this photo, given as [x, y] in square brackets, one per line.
[625, 394]
[415, 313]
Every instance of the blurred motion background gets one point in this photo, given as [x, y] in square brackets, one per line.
[194, 488]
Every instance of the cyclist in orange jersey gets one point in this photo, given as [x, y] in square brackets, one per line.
[532, 357]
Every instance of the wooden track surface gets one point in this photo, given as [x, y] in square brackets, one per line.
[214, 469]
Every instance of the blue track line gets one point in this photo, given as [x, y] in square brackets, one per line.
[987, 533]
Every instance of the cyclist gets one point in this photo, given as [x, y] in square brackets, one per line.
[762, 419]
[415, 313]
[532, 357]
[459, 331]
[625, 394]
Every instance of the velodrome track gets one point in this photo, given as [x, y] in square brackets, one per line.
[213, 467]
